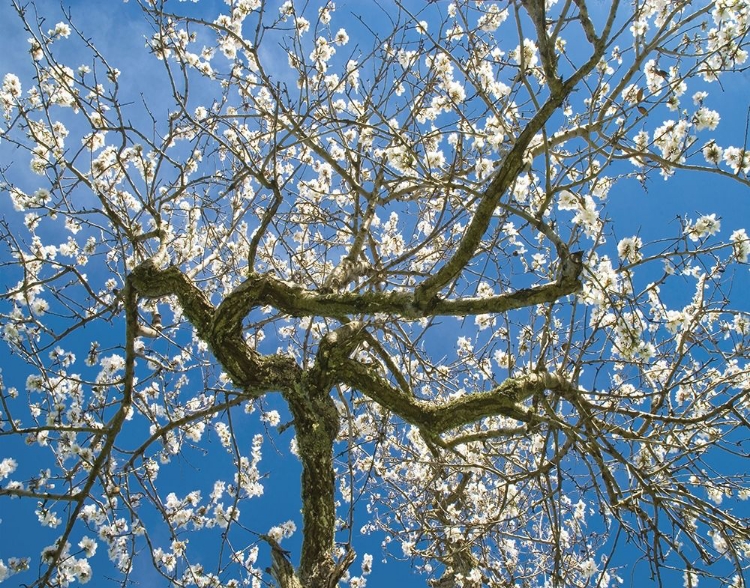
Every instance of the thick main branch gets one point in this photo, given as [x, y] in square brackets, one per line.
[507, 399]
[221, 330]
[295, 300]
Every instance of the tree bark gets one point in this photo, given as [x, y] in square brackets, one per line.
[316, 422]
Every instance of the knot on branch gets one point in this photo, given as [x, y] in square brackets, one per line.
[146, 270]
[572, 266]
[340, 342]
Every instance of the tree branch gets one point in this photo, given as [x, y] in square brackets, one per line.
[220, 328]
[504, 400]
[292, 299]
[535, 8]
[507, 173]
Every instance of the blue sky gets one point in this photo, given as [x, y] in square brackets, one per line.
[119, 34]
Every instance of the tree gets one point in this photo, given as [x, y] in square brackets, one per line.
[394, 218]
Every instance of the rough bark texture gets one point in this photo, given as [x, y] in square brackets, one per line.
[316, 422]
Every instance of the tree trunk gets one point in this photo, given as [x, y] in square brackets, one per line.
[316, 422]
